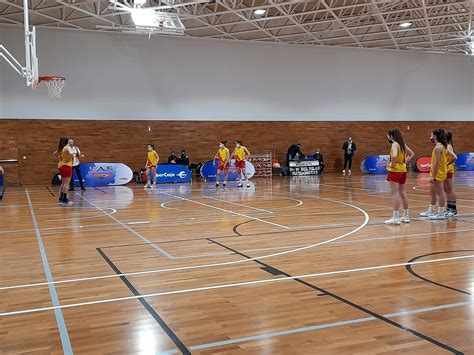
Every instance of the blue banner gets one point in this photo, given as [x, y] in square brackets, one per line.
[104, 174]
[465, 161]
[375, 164]
[209, 170]
[172, 173]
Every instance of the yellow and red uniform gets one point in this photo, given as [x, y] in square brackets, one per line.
[398, 172]
[450, 167]
[223, 159]
[239, 154]
[442, 172]
[152, 159]
[65, 163]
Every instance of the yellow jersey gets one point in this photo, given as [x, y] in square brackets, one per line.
[239, 152]
[399, 164]
[223, 154]
[442, 172]
[66, 158]
[448, 158]
[152, 159]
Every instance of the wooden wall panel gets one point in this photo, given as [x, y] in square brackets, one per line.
[125, 141]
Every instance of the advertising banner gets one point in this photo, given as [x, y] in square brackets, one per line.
[104, 174]
[465, 161]
[423, 164]
[172, 173]
[375, 164]
[209, 170]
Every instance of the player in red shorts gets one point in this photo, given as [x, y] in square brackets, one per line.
[223, 157]
[448, 183]
[240, 154]
[65, 155]
[400, 155]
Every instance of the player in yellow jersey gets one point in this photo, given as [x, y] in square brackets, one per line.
[240, 155]
[151, 164]
[400, 155]
[223, 157]
[65, 156]
[448, 183]
[438, 173]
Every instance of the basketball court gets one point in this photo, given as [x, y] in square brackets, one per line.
[285, 265]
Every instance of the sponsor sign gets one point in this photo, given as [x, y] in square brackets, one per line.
[172, 173]
[209, 170]
[304, 168]
[423, 164]
[465, 161]
[375, 164]
[104, 174]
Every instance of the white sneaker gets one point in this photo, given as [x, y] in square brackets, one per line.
[393, 221]
[449, 214]
[438, 216]
[343, 172]
[405, 219]
[427, 213]
[350, 172]
[147, 186]
[240, 185]
[248, 184]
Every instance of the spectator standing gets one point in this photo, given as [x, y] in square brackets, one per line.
[349, 147]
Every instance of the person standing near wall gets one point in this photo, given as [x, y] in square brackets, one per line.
[65, 156]
[76, 166]
[151, 165]
[349, 147]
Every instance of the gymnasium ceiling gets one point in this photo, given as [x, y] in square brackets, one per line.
[436, 25]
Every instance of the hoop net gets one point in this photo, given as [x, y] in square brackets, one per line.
[54, 84]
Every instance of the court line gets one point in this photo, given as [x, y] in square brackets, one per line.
[158, 319]
[414, 235]
[224, 210]
[326, 325]
[366, 221]
[237, 204]
[63, 333]
[134, 232]
[223, 286]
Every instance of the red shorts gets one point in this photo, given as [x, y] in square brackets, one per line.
[65, 171]
[223, 166]
[240, 164]
[450, 175]
[398, 177]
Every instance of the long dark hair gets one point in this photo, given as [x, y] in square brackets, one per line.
[62, 143]
[238, 141]
[449, 138]
[440, 135]
[397, 137]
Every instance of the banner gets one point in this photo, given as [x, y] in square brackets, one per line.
[375, 164]
[104, 174]
[209, 170]
[172, 173]
[465, 161]
[423, 164]
[304, 167]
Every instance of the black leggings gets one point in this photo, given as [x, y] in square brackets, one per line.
[347, 159]
[77, 169]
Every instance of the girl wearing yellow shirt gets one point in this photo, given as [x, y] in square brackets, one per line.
[223, 157]
[240, 154]
[400, 155]
[448, 183]
[65, 156]
[151, 164]
[438, 173]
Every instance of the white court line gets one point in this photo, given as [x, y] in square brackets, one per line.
[134, 232]
[139, 222]
[238, 284]
[88, 217]
[238, 204]
[224, 210]
[206, 265]
[414, 236]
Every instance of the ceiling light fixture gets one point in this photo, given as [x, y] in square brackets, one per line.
[405, 24]
[260, 12]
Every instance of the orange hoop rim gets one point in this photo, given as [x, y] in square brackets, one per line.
[50, 78]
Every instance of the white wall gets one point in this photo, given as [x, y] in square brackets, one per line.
[120, 76]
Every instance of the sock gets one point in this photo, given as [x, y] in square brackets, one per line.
[405, 212]
[396, 215]
[454, 207]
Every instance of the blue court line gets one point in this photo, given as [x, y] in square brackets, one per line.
[325, 326]
[133, 231]
[66, 343]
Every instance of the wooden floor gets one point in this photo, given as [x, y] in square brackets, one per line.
[288, 266]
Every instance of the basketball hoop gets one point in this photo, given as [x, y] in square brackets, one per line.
[55, 85]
